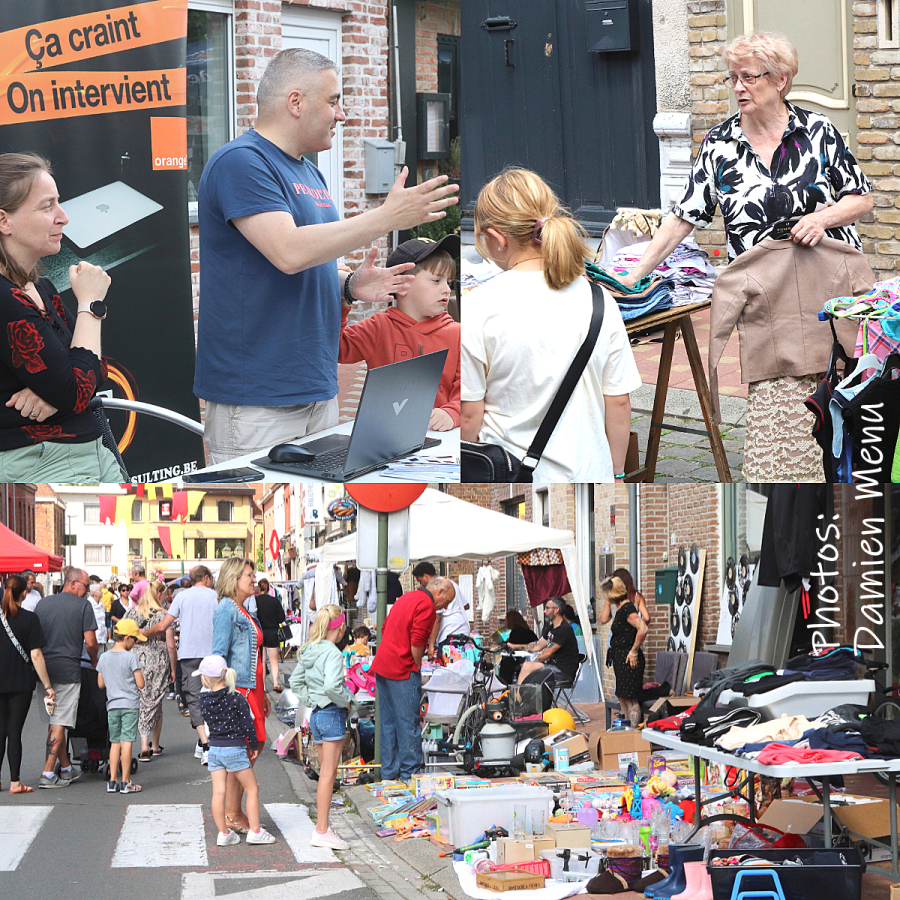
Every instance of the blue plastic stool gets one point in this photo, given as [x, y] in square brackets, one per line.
[777, 894]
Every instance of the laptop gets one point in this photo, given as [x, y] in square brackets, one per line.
[103, 212]
[391, 422]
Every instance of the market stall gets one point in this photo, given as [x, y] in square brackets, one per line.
[17, 554]
[443, 528]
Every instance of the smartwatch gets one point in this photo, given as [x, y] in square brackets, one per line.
[97, 309]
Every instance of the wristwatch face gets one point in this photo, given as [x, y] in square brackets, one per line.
[98, 309]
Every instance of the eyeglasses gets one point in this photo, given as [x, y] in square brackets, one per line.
[746, 80]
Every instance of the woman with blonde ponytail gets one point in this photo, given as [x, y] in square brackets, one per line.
[522, 329]
[319, 682]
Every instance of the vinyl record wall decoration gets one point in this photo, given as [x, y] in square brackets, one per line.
[686, 609]
[735, 587]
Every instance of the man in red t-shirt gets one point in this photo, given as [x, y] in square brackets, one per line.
[398, 679]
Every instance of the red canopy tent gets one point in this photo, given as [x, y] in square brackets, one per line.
[17, 554]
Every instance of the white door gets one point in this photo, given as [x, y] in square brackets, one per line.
[319, 30]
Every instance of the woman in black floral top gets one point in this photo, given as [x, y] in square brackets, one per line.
[50, 362]
[773, 169]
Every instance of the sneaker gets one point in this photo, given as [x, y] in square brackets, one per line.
[260, 837]
[54, 781]
[129, 787]
[170, 695]
[69, 776]
[328, 839]
[204, 758]
[226, 840]
[112, 787]
[198, 751]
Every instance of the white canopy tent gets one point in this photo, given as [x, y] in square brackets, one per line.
[444, 528]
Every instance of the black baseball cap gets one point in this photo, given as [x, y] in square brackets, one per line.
[416, 250]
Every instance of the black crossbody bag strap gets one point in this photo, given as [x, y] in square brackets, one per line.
[539, 444]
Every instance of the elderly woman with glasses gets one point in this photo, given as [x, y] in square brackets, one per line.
[238, 637]
[774, 170]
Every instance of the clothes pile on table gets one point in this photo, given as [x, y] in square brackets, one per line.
[652, 293]
[687, 266]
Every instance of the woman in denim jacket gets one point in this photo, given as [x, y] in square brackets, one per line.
[237, 637]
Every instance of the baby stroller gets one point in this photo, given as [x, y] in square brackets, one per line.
[88, 741]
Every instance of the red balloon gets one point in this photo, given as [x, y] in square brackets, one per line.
[385, 497]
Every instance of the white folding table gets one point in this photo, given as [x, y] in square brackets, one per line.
[819, 771]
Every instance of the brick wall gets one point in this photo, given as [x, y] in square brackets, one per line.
[671, 516]
[709, 97]
[877, 91]
[432, 18]
[17, 509]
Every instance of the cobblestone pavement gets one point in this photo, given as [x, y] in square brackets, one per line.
[688, 457]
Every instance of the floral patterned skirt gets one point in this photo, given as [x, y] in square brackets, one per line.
[779, 445]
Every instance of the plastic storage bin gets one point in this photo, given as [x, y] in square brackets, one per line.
[572, 865]
[805, 698]
[463, 815]
[826, 876]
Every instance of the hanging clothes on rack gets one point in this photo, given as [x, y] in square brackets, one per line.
[545, 575]
[366, 597]
[485, 581]
[866, 422]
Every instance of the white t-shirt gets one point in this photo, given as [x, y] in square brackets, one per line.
[518, 339]
[454, 619]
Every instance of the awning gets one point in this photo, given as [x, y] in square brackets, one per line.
[17, 554]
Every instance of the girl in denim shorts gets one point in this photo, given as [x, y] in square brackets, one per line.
[319, 683]
[232, 746]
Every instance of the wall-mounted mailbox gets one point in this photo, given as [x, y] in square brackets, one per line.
[609, 25]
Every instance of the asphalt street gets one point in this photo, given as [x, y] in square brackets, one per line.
[81, 843]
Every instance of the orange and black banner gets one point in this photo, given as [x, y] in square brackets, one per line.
[98, 87]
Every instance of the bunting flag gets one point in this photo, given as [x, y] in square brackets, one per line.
[194, 499]
[108, 509]
[179, 506]
[176, 533]
[165, 539]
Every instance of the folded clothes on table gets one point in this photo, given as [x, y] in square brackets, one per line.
[777, 754]
[839, 664]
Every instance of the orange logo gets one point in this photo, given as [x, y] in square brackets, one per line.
[168, 142]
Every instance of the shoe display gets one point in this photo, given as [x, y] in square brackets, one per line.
[260, 837]
[328, 839]
[227, 840]
[679, 854]
[53, 782]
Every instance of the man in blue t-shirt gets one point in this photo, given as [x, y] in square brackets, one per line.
[270, 236]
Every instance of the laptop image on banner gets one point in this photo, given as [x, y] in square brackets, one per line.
[103, 212]
[391, 422]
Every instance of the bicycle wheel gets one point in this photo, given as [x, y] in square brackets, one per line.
[889, 710]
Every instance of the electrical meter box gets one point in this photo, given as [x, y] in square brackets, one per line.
[379, 165]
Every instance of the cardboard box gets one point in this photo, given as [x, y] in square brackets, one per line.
[542, 843]
[869, 817]
[616, 749]
[680, 703]
[575, 742]
[572, 835]
[895, 892]
[513, 880]
[424, 784]
[514, 850]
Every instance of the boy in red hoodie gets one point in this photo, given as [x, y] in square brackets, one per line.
[418, 324]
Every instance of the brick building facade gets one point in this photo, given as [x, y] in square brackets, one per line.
[17, 509]
[50, 520]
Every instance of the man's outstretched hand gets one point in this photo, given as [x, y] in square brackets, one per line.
[375, 285]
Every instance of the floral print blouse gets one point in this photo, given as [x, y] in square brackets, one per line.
[812, 168]
[35, 352]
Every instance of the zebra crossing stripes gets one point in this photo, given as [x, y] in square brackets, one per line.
[296, 827]
[18, 827]
[161, 835]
